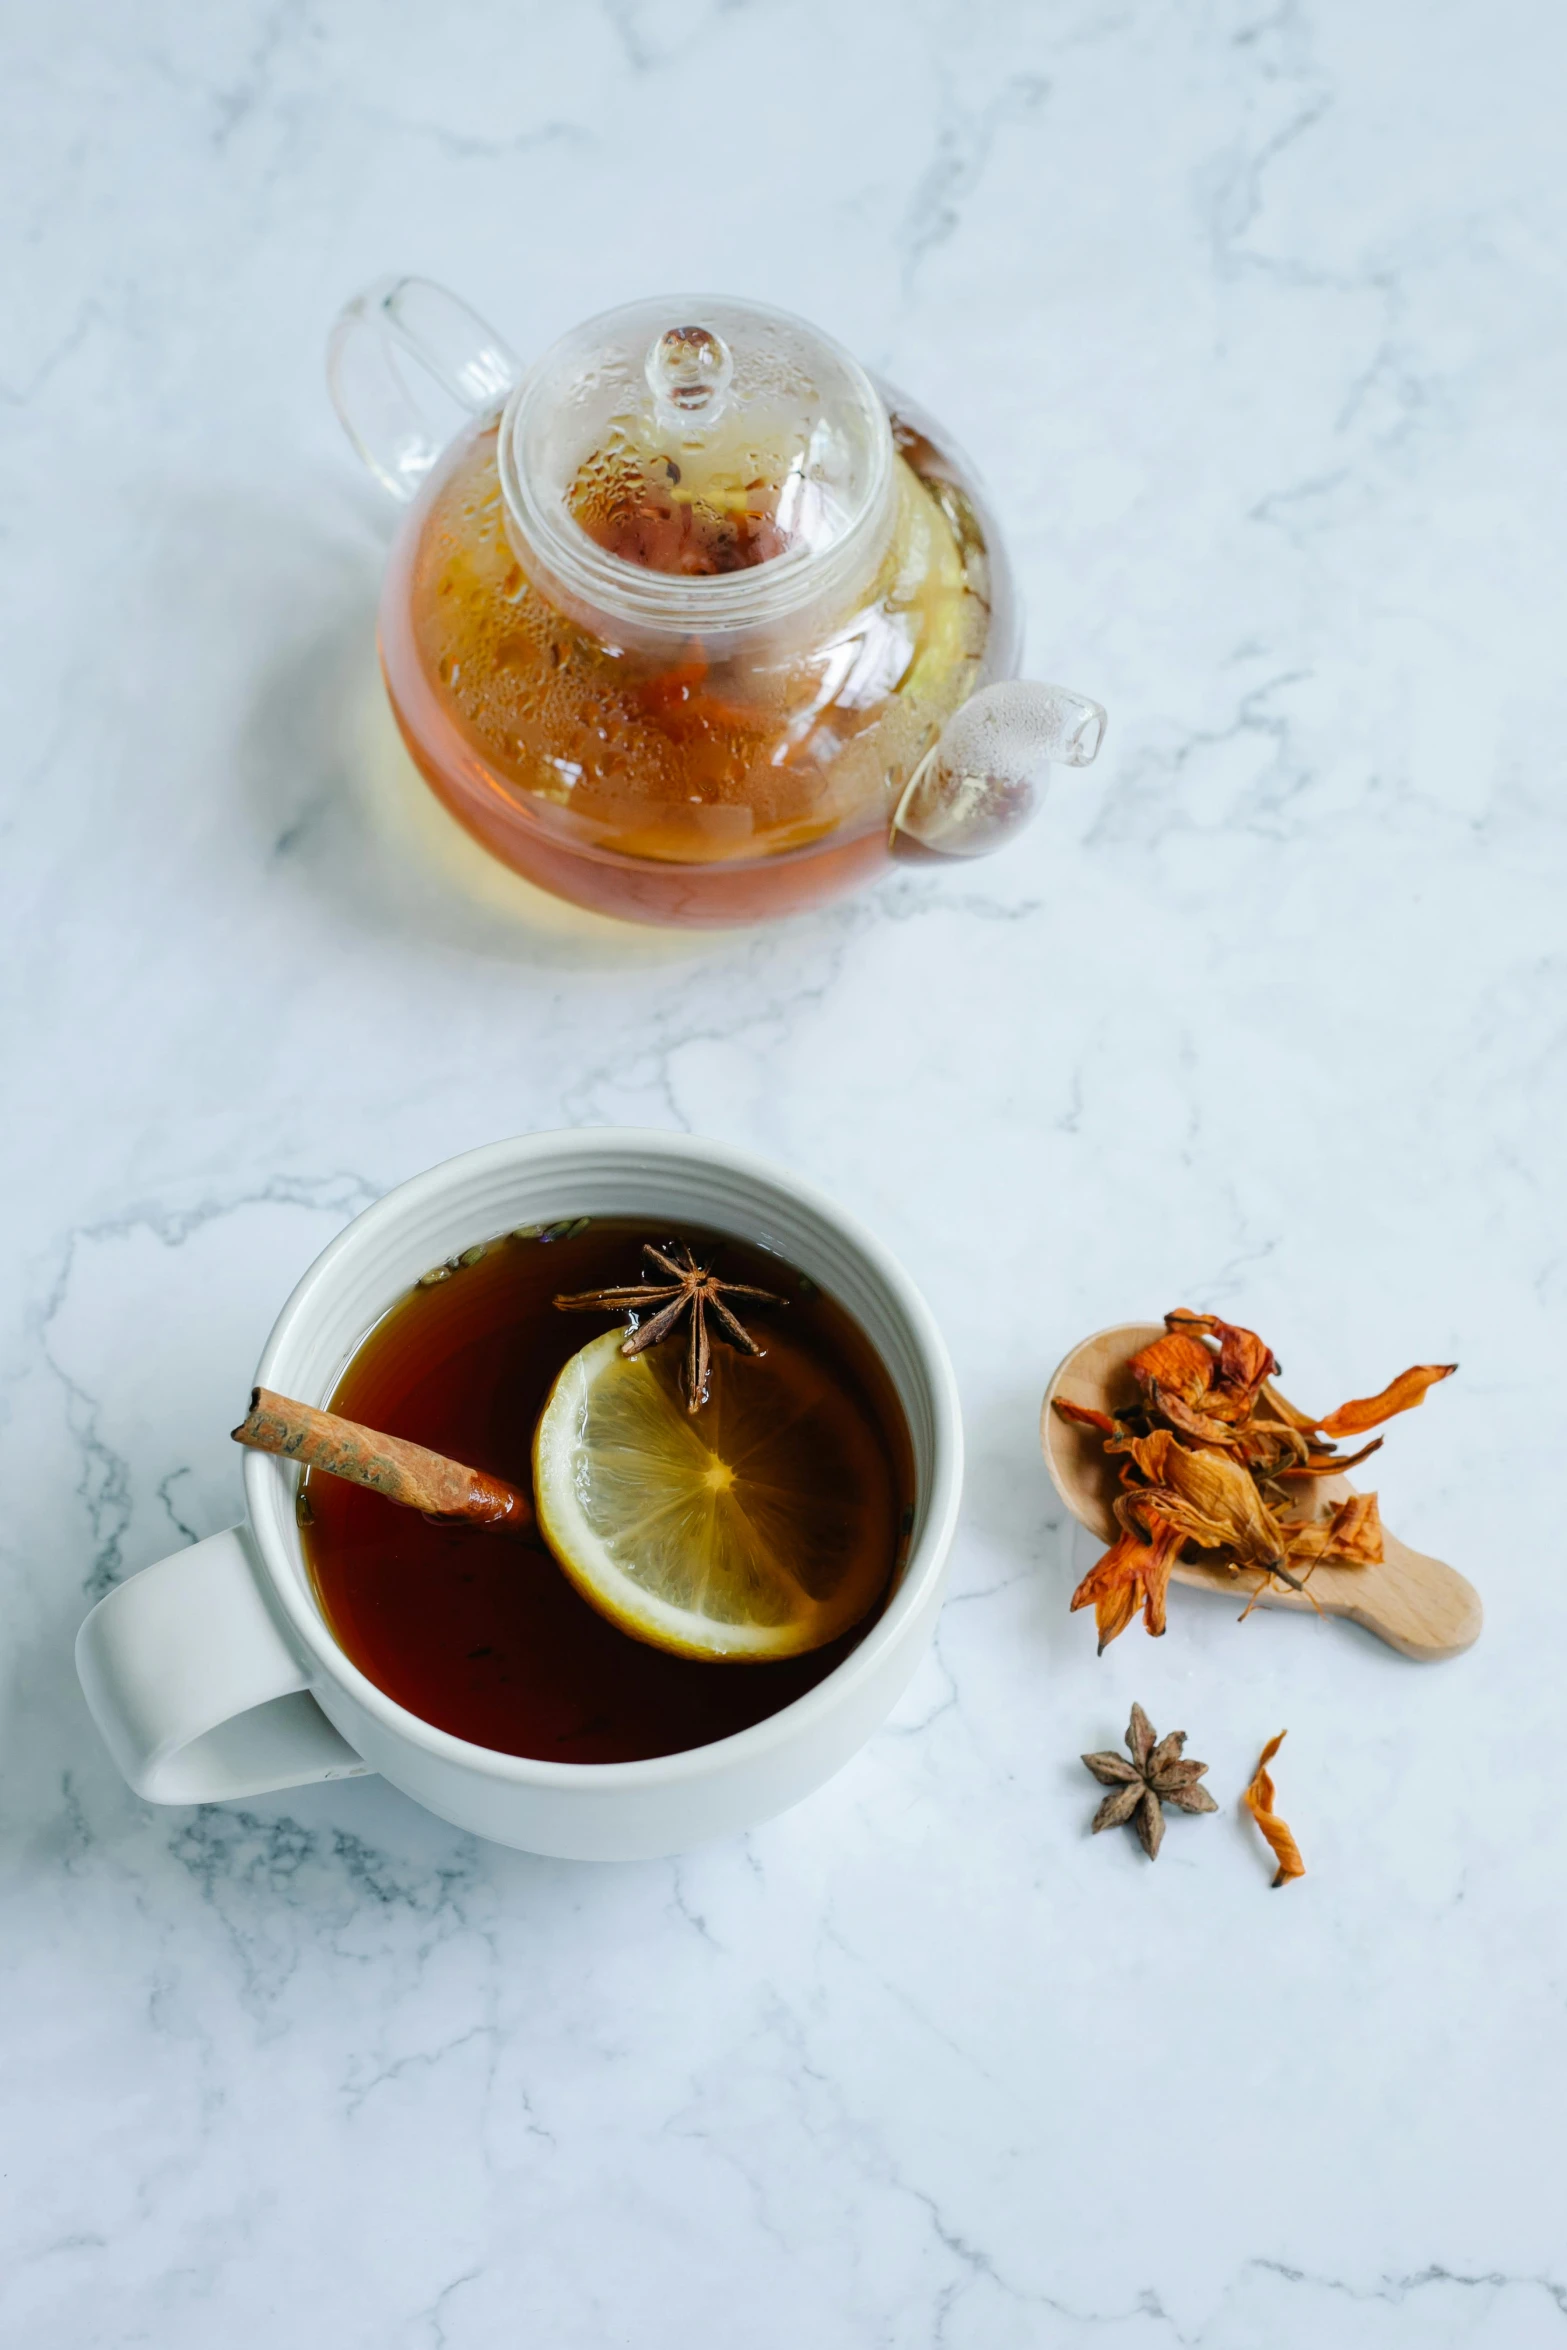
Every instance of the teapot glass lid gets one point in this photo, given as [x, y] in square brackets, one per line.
[703, 446]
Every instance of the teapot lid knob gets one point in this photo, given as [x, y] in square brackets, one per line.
[689, 369]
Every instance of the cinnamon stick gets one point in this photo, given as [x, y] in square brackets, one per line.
[405, 1473]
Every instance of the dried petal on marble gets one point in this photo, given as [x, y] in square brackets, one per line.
[1259, 1800]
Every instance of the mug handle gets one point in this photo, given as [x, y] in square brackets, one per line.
[197, 1694]
[383, 402]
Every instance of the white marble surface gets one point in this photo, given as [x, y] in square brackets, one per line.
[1255, 314]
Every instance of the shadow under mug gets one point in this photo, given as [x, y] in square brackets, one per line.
[214, 1675]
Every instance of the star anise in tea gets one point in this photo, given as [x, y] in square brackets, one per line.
[1214, 1459]
[686, 1288]
[1139, 1789]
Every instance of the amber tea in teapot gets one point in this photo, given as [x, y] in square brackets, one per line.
[693, 760]
[698, 623]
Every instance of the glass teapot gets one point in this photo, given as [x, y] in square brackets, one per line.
[691, 621]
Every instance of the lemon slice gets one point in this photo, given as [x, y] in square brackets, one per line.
[759, 1527]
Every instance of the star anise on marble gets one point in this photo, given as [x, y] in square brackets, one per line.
[1140, 1789]
[686, 1288]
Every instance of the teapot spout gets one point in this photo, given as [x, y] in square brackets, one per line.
[984, 776]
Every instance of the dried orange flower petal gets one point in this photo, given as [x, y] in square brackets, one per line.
[1149, 1452]
[1331, 1464]
[1178, 1362]
[1131, 1572]
[1259, 1799]
[1356, 1531]
[1083, 1415]
[1220, 1491]
[1244, 1361]
[1401, 1395]
[1352, 1537]
[1202, 1425]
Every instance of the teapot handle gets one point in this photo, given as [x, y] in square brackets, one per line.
[393, 350]
[984, 775]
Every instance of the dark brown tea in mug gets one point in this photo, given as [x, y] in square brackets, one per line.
[482, 1634]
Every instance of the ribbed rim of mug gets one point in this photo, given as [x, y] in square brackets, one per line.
[269, 1492]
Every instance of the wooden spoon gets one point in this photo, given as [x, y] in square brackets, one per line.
[390, 1465]
[1419, 1605]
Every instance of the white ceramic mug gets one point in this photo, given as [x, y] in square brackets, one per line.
[214, 1675]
